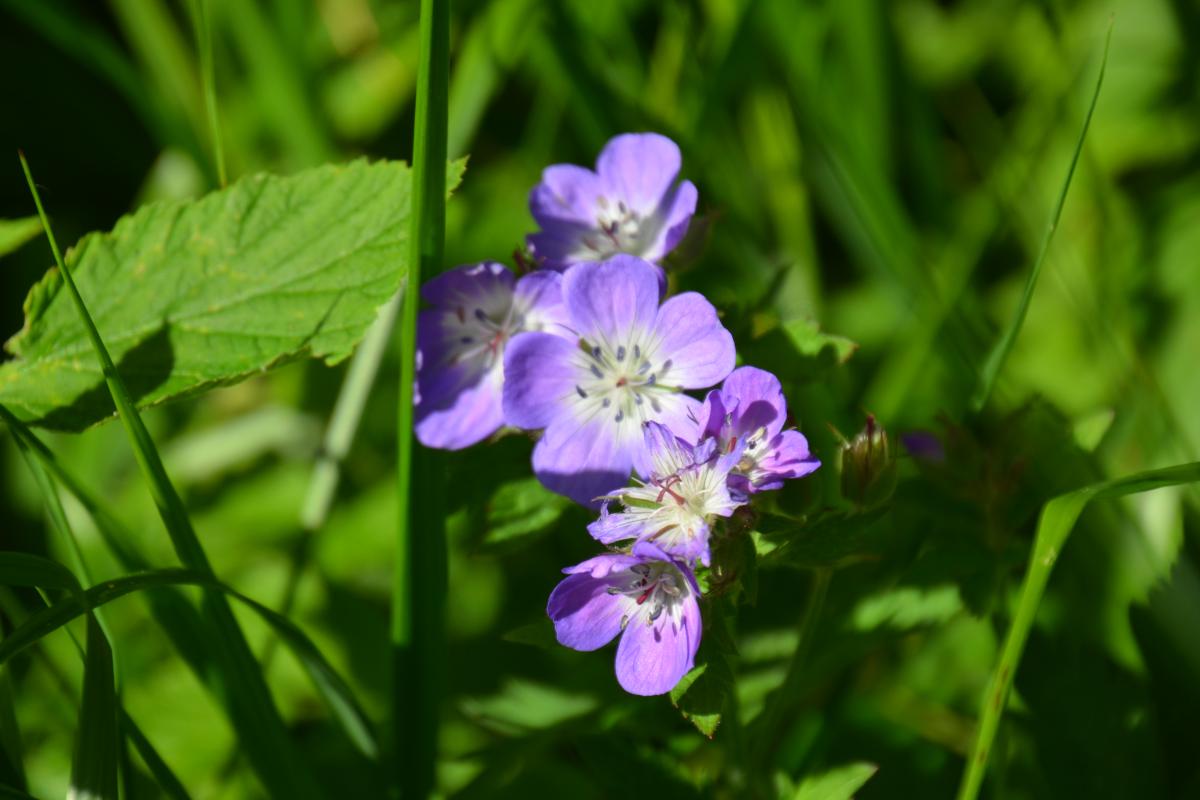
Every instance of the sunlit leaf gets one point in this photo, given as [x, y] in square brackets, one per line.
[191, 295]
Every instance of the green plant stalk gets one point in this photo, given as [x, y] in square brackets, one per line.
[999, 354]
[419, 594]
[256, 718]
[1057, 519]
[207, 76]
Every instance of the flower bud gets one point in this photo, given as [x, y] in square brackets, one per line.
[868, 467]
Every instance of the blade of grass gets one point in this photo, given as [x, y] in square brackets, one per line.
[166, 779]
[1057, 519]
[200, 23]
[999, 353]
[97, 740]
[21, 569]
[253, 711]
[419, 594]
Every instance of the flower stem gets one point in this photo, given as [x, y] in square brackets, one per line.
[419, 594]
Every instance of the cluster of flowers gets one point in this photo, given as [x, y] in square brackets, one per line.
[585, 350]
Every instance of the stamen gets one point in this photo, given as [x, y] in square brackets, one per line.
[637, 352]
[624, 621]
[644, 367]
[637, 398]
[620, 415]
[581, 392]
[655, 405]
[657, 612]
[645, 595]
[466, 340]
[596, 352]
[651, 380]
[666, 366]
[621, 353]
[479, 315]
[462, 314]
[606, 402]
[596, 371]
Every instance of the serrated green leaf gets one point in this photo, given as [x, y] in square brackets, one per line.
[191, 295]
[808, 339]
[16, 232]
[833, 540]
[839, 783]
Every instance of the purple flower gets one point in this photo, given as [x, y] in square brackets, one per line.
[687, 487]
[630, 204]
[749, 411]
[461, 341]
[626, 365]
[647, 598]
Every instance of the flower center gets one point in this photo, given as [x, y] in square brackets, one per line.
[483, 335]
[619, 229]
[655, 587]
[623, 381]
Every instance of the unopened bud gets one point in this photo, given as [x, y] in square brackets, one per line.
[868, 467]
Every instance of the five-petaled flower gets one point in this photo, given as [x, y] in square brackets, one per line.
[630, 204]
[627, 364]
[646, 597]
[747, 414]
[673, 508]
[475, 311]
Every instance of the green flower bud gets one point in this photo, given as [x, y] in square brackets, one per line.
[868, 467]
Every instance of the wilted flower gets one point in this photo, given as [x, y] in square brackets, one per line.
[673, 508]
[630, 204]
[461, 341]
[748, 412]
[626, 365]
[647, 598]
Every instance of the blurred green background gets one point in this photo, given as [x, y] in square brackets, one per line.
[885, 169]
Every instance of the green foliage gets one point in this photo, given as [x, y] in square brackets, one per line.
[16, 232]
[191, 295]
[839, 783]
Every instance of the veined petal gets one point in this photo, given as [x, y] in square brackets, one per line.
[539, 378]
[688, 332]
[674, 217]
[585, 615]
[756, 398]
[652, 658]
[472, 286]
[612, 299]
[473, 414]
[538, 296]
[568, 194]
[583, 460]
[639, 168]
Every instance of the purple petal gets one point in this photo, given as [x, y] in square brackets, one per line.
[638, 168]
[788, 457]
[700, 349]
[668, 453]
[652, 658]
[756, 398]
[469, 286]
[680, 413]
[584, 460]
[586, 617]
[611, 299]
[677, 214]
[539, 296]
[538, 376]
[567, 194]
[473, 414]
[609, 528]
[605, 564]
[557, 249]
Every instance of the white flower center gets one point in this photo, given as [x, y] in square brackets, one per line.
[622, 380]
[654, 588]
[619, 230]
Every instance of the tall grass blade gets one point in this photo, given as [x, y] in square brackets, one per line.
[200, 22]
[419, 594]
[12, 764]
[254, 715]
[20, 569]
[998, 355]
[1054, 526]
[166, 779]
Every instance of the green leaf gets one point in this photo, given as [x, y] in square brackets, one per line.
[191, 295]
[1057, 519]
[16, 232]
[839, 783]
[329, 685]
[833, 540]
[702, 694]
[520, 510]
[22, 569]
[807, 339]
